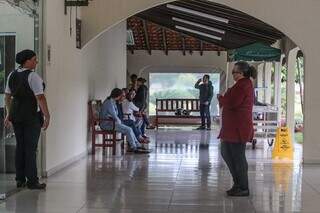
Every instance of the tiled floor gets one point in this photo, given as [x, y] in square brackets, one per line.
[178, 176]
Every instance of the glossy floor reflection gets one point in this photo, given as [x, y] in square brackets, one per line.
[179, 176]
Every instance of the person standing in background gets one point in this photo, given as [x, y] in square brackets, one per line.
[133, 82]
[23, 94]
[206, 94]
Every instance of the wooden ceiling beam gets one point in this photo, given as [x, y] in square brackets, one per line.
[164, 39]
[183, 44]
[228, 44]
[146, 36]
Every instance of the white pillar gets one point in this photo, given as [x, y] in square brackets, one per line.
[267, 78]
[260, 82]
[229, 78]
[277, 87]
[291, 69]
[311, 131]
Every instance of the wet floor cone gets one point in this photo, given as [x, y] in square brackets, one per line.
[283, 148]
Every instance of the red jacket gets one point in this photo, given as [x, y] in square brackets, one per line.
[237, 103]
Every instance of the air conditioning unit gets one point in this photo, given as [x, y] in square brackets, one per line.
[130, 38]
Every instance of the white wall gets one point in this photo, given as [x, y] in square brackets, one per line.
[67, 89]
[73, 77]
[106, 60]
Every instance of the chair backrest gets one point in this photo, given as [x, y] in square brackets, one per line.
[171, 105]
[94, 107]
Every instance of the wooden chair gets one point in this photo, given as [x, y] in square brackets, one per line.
[109, 137]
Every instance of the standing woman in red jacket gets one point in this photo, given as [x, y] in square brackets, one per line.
[237, 126]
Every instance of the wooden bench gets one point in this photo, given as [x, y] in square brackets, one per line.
[166, 108]
[109, 137]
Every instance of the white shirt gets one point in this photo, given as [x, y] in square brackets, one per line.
[34, 80]
[128, 107]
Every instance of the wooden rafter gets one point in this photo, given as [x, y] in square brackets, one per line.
[146, 36]
[201, 48]
[164, 38]
[183, 40]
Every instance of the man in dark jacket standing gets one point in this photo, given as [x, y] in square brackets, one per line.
[206, 94]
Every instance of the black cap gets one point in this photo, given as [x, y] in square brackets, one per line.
[24, 55]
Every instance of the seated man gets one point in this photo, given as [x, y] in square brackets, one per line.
[109, 110]
[128, 121]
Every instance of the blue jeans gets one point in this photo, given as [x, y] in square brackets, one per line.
[205, 114]
[127, 131]
[136, 130]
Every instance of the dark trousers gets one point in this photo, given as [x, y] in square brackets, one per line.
[27, 137]
[205, 114]
[235, 158]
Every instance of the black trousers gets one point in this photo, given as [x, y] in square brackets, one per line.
[205, 115]
[235, 158]
[27, 137]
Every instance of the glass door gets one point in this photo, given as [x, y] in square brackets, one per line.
[7, 141]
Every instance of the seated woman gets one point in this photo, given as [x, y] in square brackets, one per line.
[109, 110]
[130, 108]
[128, 121]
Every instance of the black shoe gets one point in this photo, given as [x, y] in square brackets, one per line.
[37, 186]
[204, 146]
[239, 193]
[130, 150]
[232, 190]
[200, 128]
[21, 184]
[208, 128]
[140, 151]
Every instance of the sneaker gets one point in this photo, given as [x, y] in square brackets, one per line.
[201, 128]
[239, 193]
[37, 186]
[144, 149]
[150, 127]
[144, 136]
[144, 141]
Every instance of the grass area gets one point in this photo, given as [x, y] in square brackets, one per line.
[298, 137]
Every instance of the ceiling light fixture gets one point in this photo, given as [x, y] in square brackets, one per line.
[199, 25]
[197, 13]
[199, 33]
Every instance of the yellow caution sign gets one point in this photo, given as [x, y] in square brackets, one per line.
[283, 145]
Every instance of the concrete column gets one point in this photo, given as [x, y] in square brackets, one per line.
[311, 141]
[267, 78]
[229, 78]
[291, 69]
